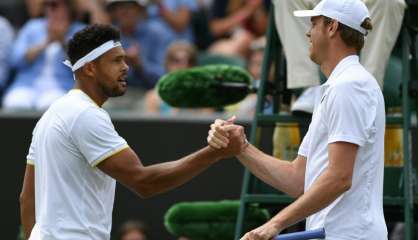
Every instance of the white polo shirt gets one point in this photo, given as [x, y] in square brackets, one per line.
[73, 198]
[351, 110]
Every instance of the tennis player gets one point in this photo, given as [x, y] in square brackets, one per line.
[337, 176]
[76, 155]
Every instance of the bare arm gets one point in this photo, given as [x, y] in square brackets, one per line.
[35, 51]
[147, 181]
[286, 176]
[332, 183]
[220, 26]
[27, 201]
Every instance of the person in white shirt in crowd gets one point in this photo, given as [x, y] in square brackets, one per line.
[76, 154]
[337, 177]
[37, 56]
[387, 18]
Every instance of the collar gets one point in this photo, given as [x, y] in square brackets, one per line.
[81, 92]
[341, 66]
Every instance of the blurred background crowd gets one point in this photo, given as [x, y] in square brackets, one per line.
[162, 36]
[159, 36]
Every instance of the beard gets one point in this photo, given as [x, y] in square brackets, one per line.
[112, 91]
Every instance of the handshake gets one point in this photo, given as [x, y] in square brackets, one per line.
[227, 138]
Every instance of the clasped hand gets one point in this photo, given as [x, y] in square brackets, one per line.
[227, 137]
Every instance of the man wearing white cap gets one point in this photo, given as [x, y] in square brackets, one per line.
[387, 18]
[76, 154]
[337, 176]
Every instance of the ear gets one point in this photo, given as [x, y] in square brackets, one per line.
[333, 28]
[89, 69]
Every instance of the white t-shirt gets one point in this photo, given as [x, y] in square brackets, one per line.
[351, 110]
[73, 198]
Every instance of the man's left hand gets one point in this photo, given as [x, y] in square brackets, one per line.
[265, 232]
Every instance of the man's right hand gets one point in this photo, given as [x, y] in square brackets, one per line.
[227, 137]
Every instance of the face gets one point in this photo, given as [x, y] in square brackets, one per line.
[177, 61]
[56, 10]
[318, 40]
[133, 235]
[111, 72]
[127, 15]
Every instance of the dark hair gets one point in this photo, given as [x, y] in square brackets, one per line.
[133, 225]
[350, 36]
[89, 38]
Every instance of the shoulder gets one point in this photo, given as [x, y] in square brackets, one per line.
[34, 24]
[358, 75]
[91, 113]
[5, 24]
[72, 107]
[355, 79]
[349, 90]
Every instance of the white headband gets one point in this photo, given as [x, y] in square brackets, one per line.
[91, 56]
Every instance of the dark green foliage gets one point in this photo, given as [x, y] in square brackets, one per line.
[199, 86]
[210, 220]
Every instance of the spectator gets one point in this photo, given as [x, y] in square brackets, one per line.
[180, 55]
[143, 46]
[302, 72]
[88, 11]
[235, 24]
[142, 43]
[173, 17]
[133, 230]
[5, 45]
[37, 56]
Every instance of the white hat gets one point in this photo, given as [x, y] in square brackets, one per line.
[348, 12]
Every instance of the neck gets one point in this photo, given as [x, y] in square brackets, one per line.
[328, 65]
[92, 90]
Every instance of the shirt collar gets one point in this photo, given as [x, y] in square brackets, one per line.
[341, 66]
[80, 92]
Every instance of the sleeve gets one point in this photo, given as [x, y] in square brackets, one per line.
[22, 44]
[95, 136]
[350, 114]
[30, 158]
[304, 146]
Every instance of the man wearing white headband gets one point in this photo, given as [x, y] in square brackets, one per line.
[76, 154]
[337, 176]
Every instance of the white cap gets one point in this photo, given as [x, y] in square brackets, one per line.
[348, 12]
